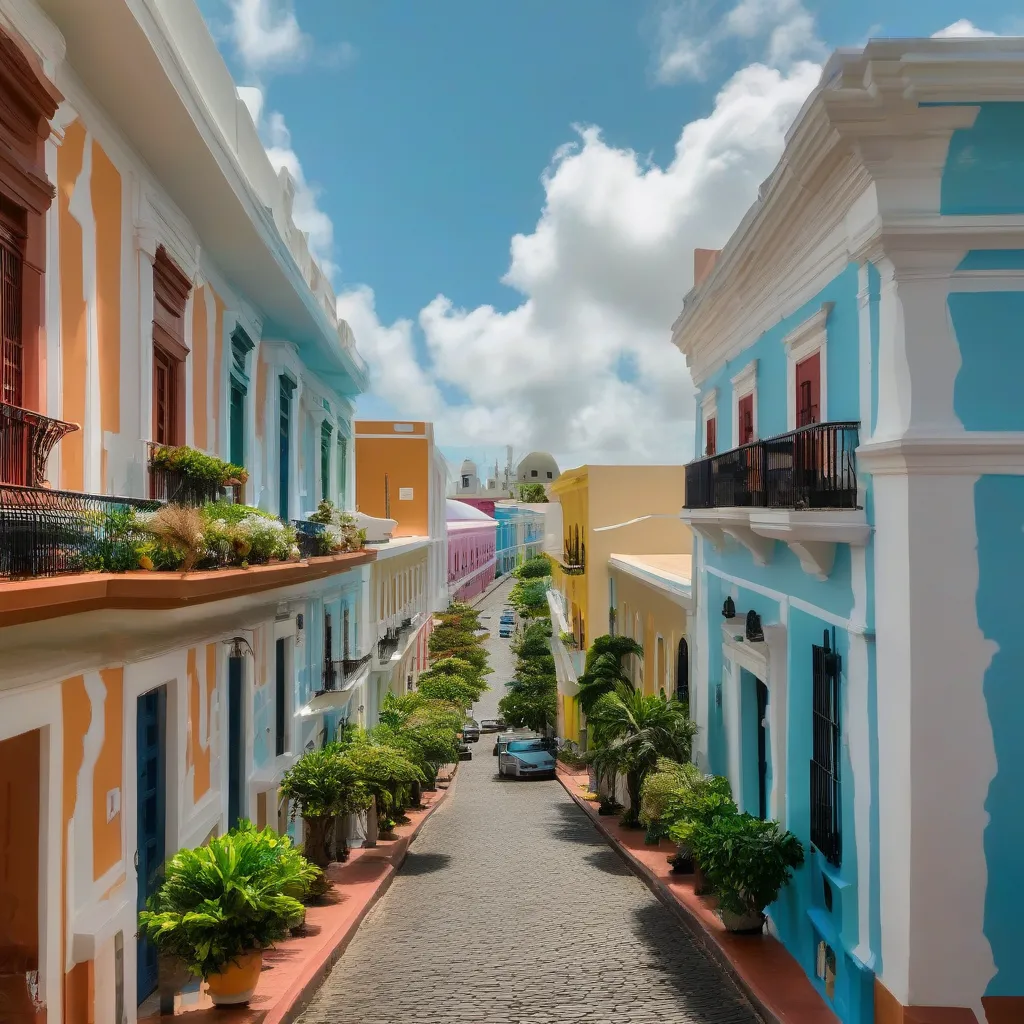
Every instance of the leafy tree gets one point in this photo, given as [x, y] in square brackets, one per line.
[449, 688]
[534, 642]
[385, 771]
[456, 667]
[532, 494]
[530, 707]
[450, 642]
[534, 568]
[529, 597]
[604, 670]
[635, 730]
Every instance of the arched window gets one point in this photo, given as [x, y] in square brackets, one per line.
[683, 671]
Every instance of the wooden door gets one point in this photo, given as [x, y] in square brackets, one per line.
[746, 419]
[711, 436]
[808, 390]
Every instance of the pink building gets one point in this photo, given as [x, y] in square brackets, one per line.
[471, 550]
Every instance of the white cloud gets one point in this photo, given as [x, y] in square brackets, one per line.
[602, 277]
[690, 33]
[266, 34]
[962, 29]
[306, 211]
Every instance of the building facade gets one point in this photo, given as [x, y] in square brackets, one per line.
[859, 458]
[157, 294]
[642, 503]
[504, 482]
[520, 534]
[471, 551]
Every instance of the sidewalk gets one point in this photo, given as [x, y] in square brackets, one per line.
[294, 969]
[772, 980]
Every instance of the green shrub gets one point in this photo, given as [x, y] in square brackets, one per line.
[196, 465]
[698, 805]
[534, 568]
[746, 861]
[449, 688]
[239, 893]
[661, 789]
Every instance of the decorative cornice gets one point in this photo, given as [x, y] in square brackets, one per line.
[967, 454]
[811, 330]
[746, 380]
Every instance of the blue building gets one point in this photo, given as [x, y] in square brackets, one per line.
[520, 535]
[857, 494]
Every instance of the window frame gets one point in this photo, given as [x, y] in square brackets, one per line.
[744, 384]
[800, 344]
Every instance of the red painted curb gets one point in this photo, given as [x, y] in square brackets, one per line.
[297, 997]
[762, 1001]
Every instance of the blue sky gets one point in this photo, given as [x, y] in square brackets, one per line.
[423, 133]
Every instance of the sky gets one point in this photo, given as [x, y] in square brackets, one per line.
[507, 195]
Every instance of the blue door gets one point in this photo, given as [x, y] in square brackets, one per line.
[151, 818]
[236, 741]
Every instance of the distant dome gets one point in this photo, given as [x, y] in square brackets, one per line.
[537, 468]
[460, 512]
[468, 468]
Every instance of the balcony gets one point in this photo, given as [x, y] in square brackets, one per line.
[387, 646]
[574, 558]
[799, 487]
[340, 672]
[187, 476]
[26, 440]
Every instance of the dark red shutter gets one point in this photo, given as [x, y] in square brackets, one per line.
[165, 396]
[808, 390]
[746, 419]
[711, 436]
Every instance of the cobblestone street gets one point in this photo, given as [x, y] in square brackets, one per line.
[512, 908]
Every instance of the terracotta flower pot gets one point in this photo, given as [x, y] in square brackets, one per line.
[235, 985]
[743, 924]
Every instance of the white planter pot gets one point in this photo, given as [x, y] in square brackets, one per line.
[742, 923]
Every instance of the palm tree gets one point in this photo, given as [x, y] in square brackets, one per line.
[636, 729]
[604, 670]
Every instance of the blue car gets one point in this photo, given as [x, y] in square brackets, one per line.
[505, 631]
[526, 759]
[508, 617]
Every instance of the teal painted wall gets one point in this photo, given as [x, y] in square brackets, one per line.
[999, 501]
[986, 394]
[984, 172]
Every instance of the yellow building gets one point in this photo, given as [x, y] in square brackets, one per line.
[591, 578]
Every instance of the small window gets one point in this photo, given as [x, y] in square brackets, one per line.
[533, 472]
[711, 436]
[465, 481]
[549, 475]
[746, 419]
[171, 289]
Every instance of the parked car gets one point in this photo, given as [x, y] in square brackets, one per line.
[501, 743]
[508, 617]
[490, 725]
[523, 759]
[505, 630]
[465, 754]
[471, 731]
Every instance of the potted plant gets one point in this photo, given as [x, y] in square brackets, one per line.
[385, 772]
[698, 803]
[322, 785]
[222, 904]
[747, 861]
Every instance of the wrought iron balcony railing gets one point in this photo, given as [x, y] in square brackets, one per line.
[387, 645]
[26, 440]
[44, 532]
[172, 485]
[353, 665]
[810, 468]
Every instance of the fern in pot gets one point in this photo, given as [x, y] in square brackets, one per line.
[222, 904]
[747, 861]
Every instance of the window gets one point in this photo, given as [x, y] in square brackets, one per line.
[326, 434]
[12, 249]
[825, 751]
[683, 671]
[744, 389]
[711, 436]
[342, 471]
[280, 700]
[549, 474]
[287, 387]
[465, 481]
[170, 294]
[329, 680]
[241, 346]
[533, 472]
[662, 667]
[808, 390]
[806, 370]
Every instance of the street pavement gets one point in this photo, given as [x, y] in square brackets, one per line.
[512, 908]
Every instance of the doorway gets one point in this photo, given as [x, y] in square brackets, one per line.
[280, 699]
[683, 672]
[762, 750]
[151, 819]
[236, 740]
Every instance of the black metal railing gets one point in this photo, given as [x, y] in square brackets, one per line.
[172, 485]
[387, 645]
[44, 532]
[813, 467]
[353, 665]
[310, 538]
[334, 674]
[26, 440]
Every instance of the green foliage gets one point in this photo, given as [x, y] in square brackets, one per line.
[661, 789]
[635, 730]
[534, 708]
[385, 771]
[461, 616]
[697, 804]
[534, 641]
[569, 639]
[746, 861]
[604, 671]
[239, 893]
[532, 494]
[448, 641]
[529, 597]
[449, 688]
[324, 783]
[197, 466]
[534, 568]
[571, 756]
[341, 532]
